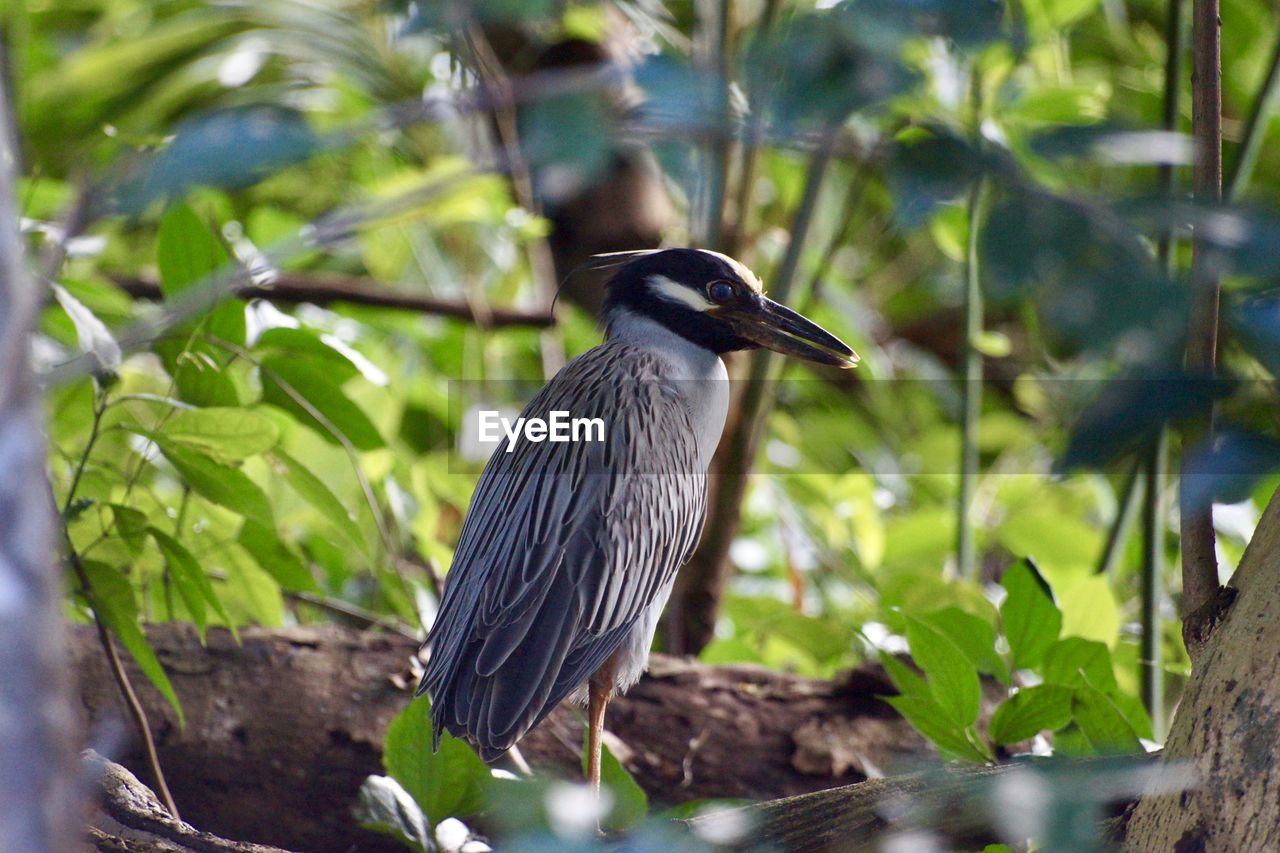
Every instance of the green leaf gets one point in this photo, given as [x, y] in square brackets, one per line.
[322, 397]
[1030, 619]
[224, 434]
[1089, 609]
[198, 372]
[220, 484]
[630, 803]
[975, 637]
[313, 490]
[1102, 722]
[931, 720]
[92, 335]
[307, 343]
[188, 254]
[952, 678]
[904, 677]
[1072, 661]
[132, 527]
[275, 558]
[1044, 707]
[447, 783]
[111, 597]
[190, 579]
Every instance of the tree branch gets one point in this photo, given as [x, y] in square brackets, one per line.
[328, 288]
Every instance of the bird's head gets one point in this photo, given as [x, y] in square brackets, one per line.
[717, 303]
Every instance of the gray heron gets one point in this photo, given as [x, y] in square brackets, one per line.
[569, 550]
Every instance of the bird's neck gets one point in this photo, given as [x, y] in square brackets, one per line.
[688, 359]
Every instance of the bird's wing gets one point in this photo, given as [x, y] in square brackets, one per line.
[564, 547]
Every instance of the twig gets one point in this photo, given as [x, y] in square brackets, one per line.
[750, 143]
[326, 288]
[126, 686]
[1199, 562]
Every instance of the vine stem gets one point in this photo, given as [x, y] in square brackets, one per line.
[104, 636]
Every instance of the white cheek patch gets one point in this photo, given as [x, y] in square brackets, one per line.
[674, 291]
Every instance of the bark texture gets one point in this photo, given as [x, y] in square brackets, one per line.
[283, 728]
[129, 818]
[1228, 722]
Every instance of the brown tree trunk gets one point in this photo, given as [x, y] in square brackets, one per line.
[283, 728]
[1228, 723]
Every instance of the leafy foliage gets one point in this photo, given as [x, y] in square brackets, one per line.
[228, 464]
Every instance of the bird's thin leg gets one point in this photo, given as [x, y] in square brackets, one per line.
[599, 695]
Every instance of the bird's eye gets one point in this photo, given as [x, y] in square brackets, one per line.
[720, 291]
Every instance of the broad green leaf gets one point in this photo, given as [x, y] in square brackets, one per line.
[931, 720]
[1044, 707]
[190, 579]
[111, 597]
[1072, 661]
[249, 593]
[908, 682]
[1030, 619]
[975, 637]
[1132, 709]
[445, 783]
[323, 406]
[307, 343]
[198, 372]
[188, 254]
[952, 678]
[313, 490]
[630, 803]
[275, 558]
[1102, 722]
[220, 484]
[225, 434]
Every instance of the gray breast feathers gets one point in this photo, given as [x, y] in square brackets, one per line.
[564, 548]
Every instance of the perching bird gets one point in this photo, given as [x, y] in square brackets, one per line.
[569, 550]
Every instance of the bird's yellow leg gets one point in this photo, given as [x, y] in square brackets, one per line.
[599, 696]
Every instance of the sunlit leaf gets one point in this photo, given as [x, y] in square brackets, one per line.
[975, 637]
[952, 677]
[220, 484]
[189, 578]
[306, 391]
[275, 558]
[1073, 661]
[1102, 722]
[225, 434]
[313, 490]
[935, 723]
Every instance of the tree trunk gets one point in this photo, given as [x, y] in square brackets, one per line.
[283, 728]
[1228, 723]
[37, 757]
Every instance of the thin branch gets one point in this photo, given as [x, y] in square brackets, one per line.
[126, 686]
[698, 585]
[326, 289]
[1199, 561]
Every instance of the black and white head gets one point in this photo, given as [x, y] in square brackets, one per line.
[717, 303]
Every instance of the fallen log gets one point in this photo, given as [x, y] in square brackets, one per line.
[282, 728]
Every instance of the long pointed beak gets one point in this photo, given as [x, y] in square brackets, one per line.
[782, 330]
